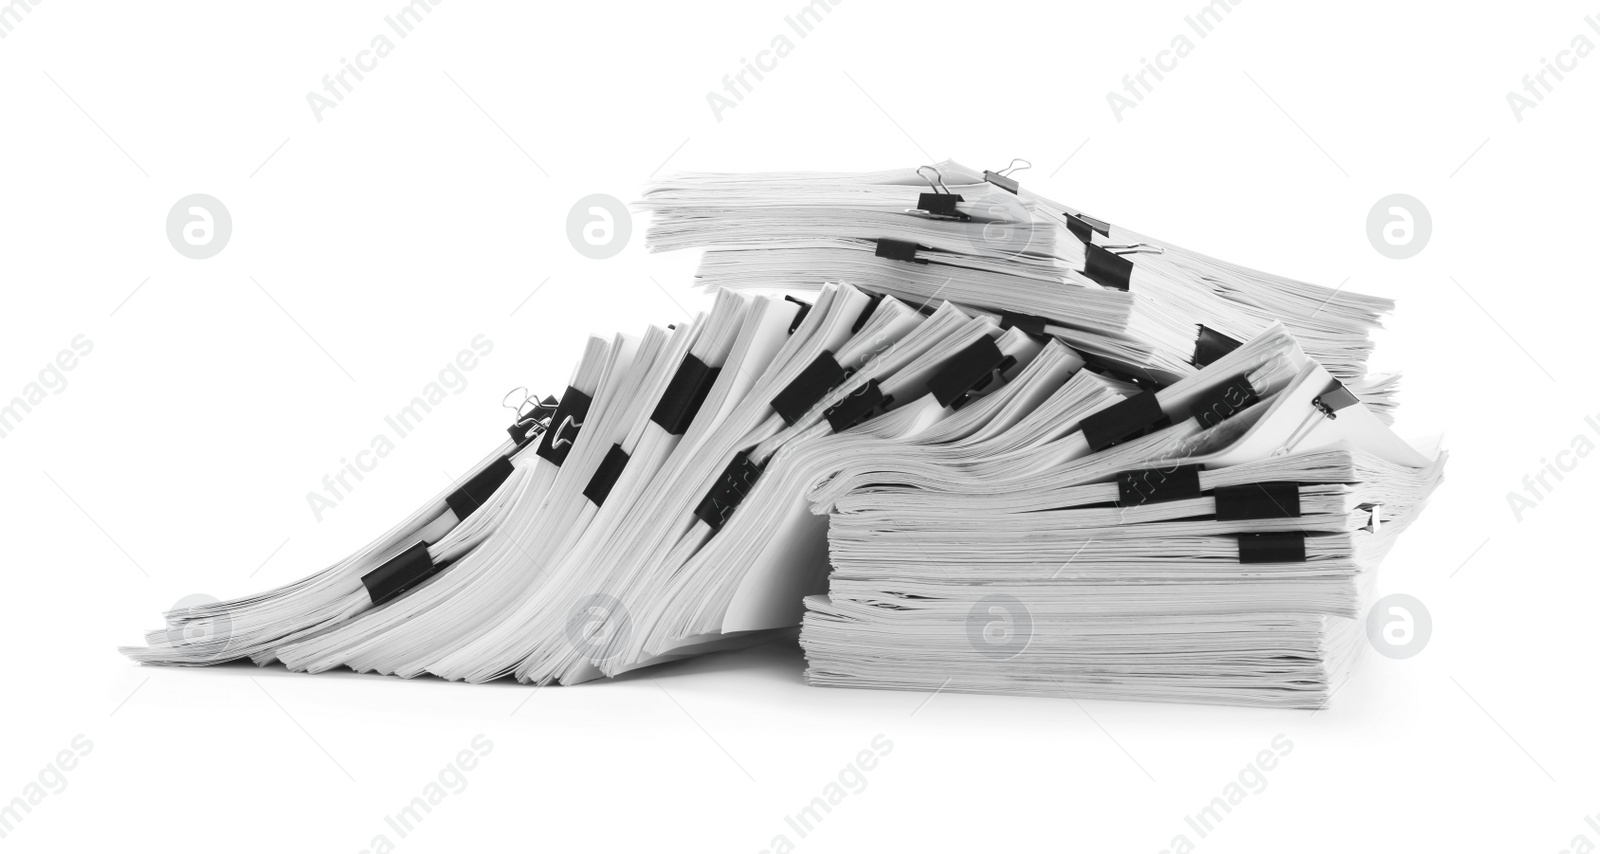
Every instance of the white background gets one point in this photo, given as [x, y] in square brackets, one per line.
[369, 247]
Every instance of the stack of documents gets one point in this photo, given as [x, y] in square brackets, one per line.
[612, 529]
[1214, 541]
[1150, 310]
[1003, 448]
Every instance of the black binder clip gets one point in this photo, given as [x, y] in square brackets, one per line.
[1106, 268]
[998, 375]
[1327, 405]
[866, 313]
[1150, 486]
[736, 482]
[1273, 547]
[897, 250]
[533, 416]
[941, 203]
[1084, 227]
[1002, 178]
[1031, 324]
[680, 403]
[813, 384]
[564, 425]
[968, 371]
[1211, 345]
[858, 406]
[476, 492]
[1337, 397]
[1224, 400]
[1127, 419]
[1271, 500]
[799, 316]
[606, 475]
[399, 574]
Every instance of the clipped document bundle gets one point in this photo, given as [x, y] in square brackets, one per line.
[1215, 541]
[1179, 489]
[1130, 303]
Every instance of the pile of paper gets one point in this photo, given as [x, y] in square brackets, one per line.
[1071, 461]
[1129, 302]
[1225, 557]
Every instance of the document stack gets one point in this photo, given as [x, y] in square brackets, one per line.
[1214, 541]
[1014, 478]
[1130, 303]
[602, 535]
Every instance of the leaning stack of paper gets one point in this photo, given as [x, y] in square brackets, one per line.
[648, 514]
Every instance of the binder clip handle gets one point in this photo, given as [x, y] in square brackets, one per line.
[532, 415]
[1003, 179]
[1013, 167]
[1133, 248]
[937, 181]
[941, 203]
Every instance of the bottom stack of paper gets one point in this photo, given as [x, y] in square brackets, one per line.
[1222, 564]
